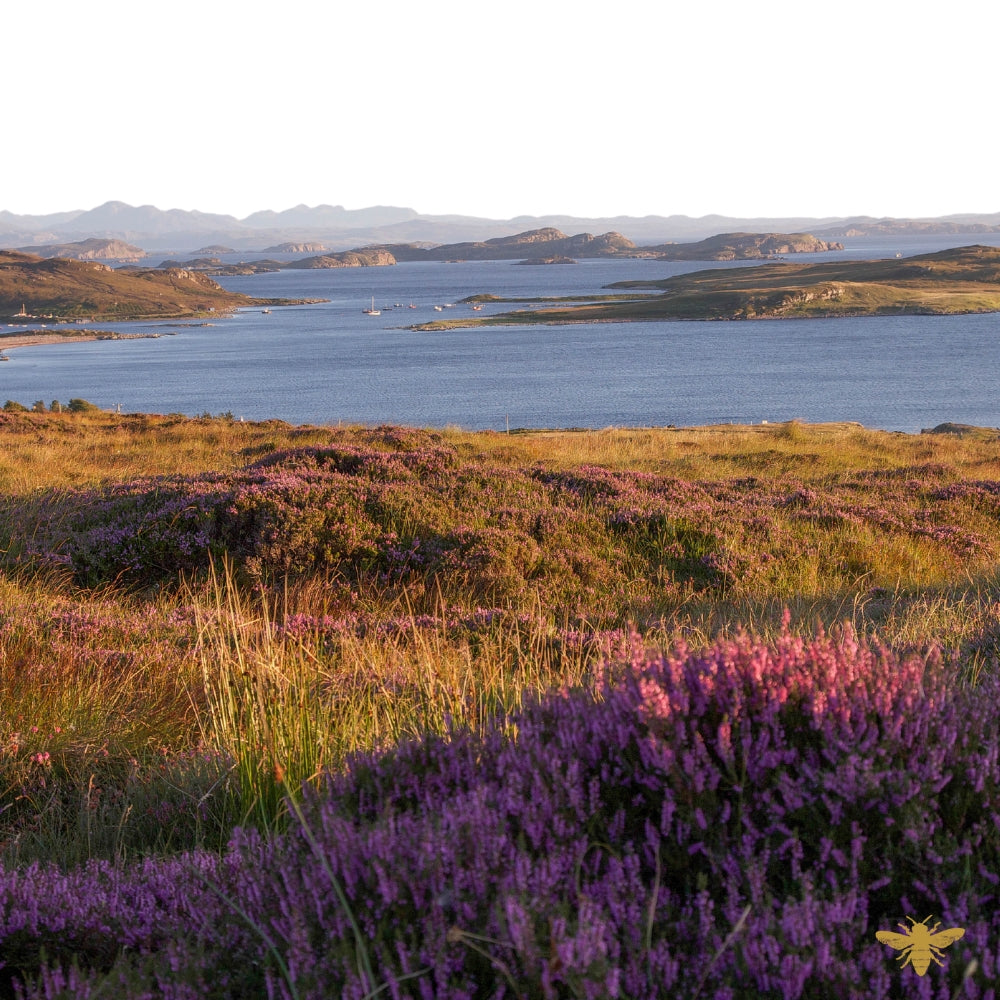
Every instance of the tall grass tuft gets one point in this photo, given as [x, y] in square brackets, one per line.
[265, 706]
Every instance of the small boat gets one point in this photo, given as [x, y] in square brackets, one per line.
[266, 311]
[373, 311]
[438, 308]
[477, 307]
[3, 357]
[412, 306]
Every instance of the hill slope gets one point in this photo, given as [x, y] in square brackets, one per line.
[59, 288]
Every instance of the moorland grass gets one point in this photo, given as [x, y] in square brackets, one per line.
[159, 693]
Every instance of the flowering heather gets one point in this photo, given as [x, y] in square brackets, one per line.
[390, 510]
[730, 823]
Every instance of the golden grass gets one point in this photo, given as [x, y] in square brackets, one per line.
[131, 681]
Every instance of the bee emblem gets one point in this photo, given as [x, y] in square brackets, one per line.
[919, 943]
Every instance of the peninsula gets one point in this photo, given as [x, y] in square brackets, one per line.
[961, 280]
[57, 289]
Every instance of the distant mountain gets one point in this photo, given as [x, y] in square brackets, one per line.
[334, 216]
[338, 228]
[949, 224]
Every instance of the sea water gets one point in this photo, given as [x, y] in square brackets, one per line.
[329, 362]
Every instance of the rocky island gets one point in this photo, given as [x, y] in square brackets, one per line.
[366, 257]
[742, 246]
[541, 244]
[962, 280]
[536, 246]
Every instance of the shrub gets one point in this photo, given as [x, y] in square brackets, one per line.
[733, 823]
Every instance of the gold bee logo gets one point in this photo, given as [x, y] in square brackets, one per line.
[919, 943]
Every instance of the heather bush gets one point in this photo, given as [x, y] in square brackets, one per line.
[725, 823]
[391, 511]
[730, 823]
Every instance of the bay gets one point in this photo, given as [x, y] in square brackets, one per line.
[328, 363]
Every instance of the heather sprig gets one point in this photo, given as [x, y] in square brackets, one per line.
[731, 822]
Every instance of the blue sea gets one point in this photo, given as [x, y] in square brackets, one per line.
[329, 363]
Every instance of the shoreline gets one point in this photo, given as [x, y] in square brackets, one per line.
[36, 338]
[8, 341]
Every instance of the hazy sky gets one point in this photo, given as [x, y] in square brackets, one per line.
[500, 108]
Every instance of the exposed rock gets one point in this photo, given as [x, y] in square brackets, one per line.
[296, 248]
[369, 257]
[62, 288]
[743, 246]
[959, 430]
[92, 249]
[535, 243]
[549, 242]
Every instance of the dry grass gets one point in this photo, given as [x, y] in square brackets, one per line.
[191, 702]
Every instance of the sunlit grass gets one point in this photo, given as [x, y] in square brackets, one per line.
[172, 709]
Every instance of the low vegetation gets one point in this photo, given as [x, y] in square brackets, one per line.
[312, 712]
[963, 280]
[34, 288]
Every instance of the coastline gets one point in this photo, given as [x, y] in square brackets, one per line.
[34, 338]
[30, 338]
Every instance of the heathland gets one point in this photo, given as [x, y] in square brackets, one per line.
[344, 711]
[60, 289]
[962, 280]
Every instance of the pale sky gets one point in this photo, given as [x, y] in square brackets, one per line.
[500, 108]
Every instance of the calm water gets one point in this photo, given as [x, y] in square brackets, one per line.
[328, 363]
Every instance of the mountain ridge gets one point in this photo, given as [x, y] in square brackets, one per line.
[339, 228]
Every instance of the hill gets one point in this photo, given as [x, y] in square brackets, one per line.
[743, 246]
[369, 257]
[65, 289]
[536, 244]
[91, 249]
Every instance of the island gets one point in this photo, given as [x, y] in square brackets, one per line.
[366, 257]
[56, 289]
[542, 244]
[554, 259]
[960, 280]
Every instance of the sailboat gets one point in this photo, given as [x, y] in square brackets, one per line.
[373, 311]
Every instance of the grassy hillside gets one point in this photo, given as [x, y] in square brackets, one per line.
[203, 622]
[963, 280]
[73, 289]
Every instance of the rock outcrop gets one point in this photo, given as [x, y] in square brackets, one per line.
[549, 242]
[296, 248]
[368, 257]
[743, 246]
[92, 249]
